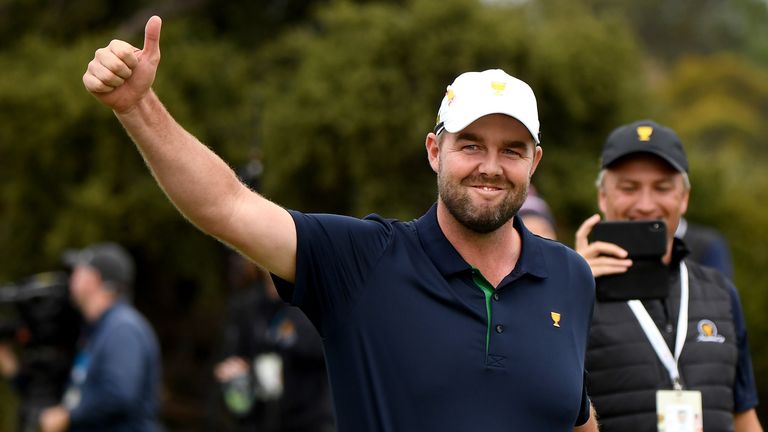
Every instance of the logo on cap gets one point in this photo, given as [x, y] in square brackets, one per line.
[644, 133]
[449, 95]
[498, 87]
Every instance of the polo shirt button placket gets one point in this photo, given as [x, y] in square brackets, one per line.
[496, 296]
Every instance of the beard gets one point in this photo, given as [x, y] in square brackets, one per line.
[479, 219]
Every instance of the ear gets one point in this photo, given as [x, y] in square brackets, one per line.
[538, 152]
[433, 151]
[601, 201]
[684, 202]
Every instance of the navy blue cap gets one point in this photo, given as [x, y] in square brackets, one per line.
[111, 260]
[645, 136]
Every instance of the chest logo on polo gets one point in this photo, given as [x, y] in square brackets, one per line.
[708, 332]
[555, 318]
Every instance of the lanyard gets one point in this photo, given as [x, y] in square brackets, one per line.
[654, 335]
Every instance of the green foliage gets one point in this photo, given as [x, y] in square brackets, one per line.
[671, 29]
[8, 407]
[71, 176]
[347, 109]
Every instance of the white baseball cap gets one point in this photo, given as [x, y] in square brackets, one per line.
[476, 94]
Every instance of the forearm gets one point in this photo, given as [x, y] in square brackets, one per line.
[201, 185]
[591, 424]
[747, 421]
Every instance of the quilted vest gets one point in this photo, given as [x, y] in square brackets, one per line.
[624, 371]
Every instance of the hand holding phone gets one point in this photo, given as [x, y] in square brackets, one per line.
[604, 258]
[645, 243]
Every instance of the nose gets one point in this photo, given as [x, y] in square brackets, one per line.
[646, 204]
[490, 165]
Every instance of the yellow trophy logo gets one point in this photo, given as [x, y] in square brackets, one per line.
[498, 87]
[644, 133]
[555, 318]
[449, 95]
[708, 332]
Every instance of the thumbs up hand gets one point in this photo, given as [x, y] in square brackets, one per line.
[120, 75]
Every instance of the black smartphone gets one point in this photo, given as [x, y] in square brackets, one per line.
[646, 243]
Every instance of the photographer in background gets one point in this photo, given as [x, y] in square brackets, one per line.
[693, 340]
[38, 322]
[114, 381]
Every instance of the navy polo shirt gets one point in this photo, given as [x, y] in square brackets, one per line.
[413, 343]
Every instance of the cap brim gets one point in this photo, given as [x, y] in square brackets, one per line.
[654, 152]
[457, 126]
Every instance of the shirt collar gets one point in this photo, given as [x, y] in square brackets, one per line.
[679, 251]
[448, 261]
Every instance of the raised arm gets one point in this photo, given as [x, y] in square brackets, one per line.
[201, 185]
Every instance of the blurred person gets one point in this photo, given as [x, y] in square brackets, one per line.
[114, 382]
[459, 320]
[537, 216]
[694, 340]
[273, 378]
[707, 246]
[39, 329]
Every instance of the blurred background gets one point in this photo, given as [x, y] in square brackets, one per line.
[323, 106]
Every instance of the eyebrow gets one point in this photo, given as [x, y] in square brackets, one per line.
[469, 136]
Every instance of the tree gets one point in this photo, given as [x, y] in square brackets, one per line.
[670, 30]
[348, 105]
[71, 176]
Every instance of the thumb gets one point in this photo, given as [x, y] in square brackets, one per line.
[583, 232]
[152, 37]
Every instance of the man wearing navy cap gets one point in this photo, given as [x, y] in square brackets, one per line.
[114, 382]
[653, 359]
[460, 320]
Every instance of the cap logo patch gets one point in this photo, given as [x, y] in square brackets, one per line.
[555, 319]
[708, 332]
[498, 87]
[644, 133]
[449, 95]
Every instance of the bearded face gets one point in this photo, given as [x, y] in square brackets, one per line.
[483, 171]
[480, 216]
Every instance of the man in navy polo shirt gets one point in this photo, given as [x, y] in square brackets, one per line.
[460, 320]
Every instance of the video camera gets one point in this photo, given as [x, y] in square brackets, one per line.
[37, 315]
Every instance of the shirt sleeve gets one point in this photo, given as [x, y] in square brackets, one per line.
[585, 403]
[334, 254]
[744, 388]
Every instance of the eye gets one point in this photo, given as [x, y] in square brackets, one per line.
[512, 152]
[664, 187]
[470, 147]
[625, 187]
